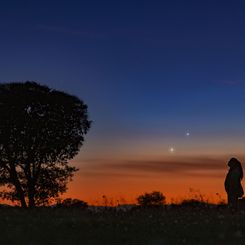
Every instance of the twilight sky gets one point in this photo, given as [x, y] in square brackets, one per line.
[164, 82]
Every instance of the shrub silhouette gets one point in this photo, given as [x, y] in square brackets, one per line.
[154, 198]
[193, 203]
[40, 130]
[72, 203]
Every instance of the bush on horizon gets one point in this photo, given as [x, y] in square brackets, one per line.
[153, 199]
[72, 203]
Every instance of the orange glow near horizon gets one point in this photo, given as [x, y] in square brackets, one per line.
[177, 177]
[122, 178]
[129, 167]
[121, 191]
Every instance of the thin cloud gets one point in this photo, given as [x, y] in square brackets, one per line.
[201, 166]
[172, 166]
[229, 82]
[111, 174]
[68, 31]
[112, 34]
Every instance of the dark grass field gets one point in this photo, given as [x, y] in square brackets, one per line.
[152, 226]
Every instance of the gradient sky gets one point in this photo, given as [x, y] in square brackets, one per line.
[151, 72]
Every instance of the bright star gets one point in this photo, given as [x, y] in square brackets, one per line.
[172, 150]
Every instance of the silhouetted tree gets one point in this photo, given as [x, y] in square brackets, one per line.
[40, 130]
[154, 198]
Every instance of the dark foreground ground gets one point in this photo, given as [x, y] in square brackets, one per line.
[176, 225]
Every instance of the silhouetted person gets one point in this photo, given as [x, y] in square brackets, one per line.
[233, 185]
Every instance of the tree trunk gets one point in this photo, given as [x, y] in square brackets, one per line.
[16, 182]
[22, 201]
[31, 201]
[31, 194]
[29, 172]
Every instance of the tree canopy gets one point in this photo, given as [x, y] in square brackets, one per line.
[40, 130]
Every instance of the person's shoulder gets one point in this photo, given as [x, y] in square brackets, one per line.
[235, 172]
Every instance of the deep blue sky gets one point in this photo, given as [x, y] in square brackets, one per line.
[148, 70]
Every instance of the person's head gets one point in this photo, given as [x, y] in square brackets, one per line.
[235, 164]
